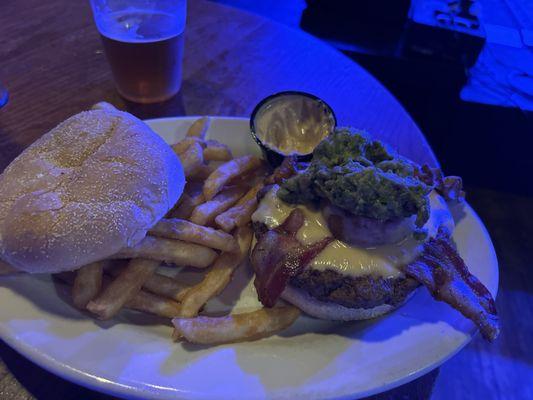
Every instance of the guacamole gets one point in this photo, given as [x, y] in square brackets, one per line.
[361, 176]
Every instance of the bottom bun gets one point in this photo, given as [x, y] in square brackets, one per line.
[332, 311]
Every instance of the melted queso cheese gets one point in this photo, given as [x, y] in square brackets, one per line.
[382, 260]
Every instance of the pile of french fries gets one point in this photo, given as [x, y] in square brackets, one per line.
[209, 228]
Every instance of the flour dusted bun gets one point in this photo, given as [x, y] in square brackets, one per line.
[91, 186]
[332, 311]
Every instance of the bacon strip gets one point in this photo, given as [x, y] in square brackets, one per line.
[449, 187]
[284, 171]
[278, 256]
[280, 174]
[444, 273]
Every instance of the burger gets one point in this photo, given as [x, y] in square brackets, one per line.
[353, 233]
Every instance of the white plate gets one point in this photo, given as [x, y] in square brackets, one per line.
[134, 357]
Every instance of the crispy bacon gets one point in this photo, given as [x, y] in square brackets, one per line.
[444, 273]
[449, 187]
[284, 171]
[278, 256]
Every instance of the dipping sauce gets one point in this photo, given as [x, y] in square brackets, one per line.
[292, 123]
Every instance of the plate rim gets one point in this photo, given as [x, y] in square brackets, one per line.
[114, 388]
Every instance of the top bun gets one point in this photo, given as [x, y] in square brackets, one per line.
[92, 185]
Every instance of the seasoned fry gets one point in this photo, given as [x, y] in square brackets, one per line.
[235, 328]
[161, 285]
[250, 178]
[205, 213]
[251, 194]
[241, 213]
[195, 190]
[201, 173]
[184, 144]
[190, 198]
[192, 158]
[216, 151]
[224, 173]
[142, 301]
[87, 283]
[183, 209]
[190, 232]
[238, 215]
[150, 303]
[199, 127]
[166, 286]
[126, 285]
[218, 276]
[170, 251]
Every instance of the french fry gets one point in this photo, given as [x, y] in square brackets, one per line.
[171, 251]
[251, 194]
[235, 328]
[192, 158]
[161, 285]
[183, 209]
[216, 151]
[205, 213]
[142, 301]
[193, 233]
[190, 198]
[250, 178]
[185, 143]
[238, 215]
[225, 172]
[87, 283]
[218, 276]
[195, 190]
[199, 127]
[150, 303]
[201, 173]
[125, 286]
[241, 213]
[166, 286]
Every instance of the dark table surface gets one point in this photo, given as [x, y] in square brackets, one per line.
[54, 67]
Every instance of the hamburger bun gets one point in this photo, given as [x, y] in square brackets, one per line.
[91, 186]
[333, 311]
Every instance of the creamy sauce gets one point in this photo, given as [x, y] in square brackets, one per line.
[293, 124]
[382, 260]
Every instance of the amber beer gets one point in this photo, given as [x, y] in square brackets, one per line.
[145, 51]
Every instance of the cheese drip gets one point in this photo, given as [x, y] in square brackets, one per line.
[349, 260]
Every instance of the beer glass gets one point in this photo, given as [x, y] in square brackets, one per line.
[143, 42]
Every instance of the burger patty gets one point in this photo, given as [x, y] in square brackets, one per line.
[366, 291]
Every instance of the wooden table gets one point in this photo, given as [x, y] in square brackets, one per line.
[53, 65]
